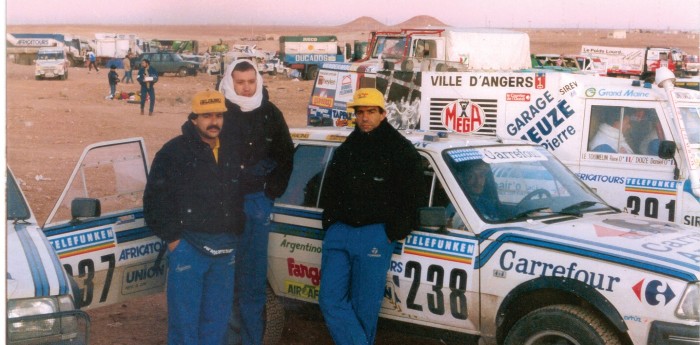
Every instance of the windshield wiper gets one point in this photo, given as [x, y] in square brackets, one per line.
[524, 214]
[575, 209]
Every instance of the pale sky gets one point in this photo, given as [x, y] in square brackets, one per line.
[609, 14]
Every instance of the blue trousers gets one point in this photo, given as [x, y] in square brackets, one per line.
[354, 266]
[200, 296]
[112, 89]
[247, 324]
[151, 92]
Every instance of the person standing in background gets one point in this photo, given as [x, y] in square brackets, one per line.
[92, 62]
[113, 79]
[127, 78]
[147, 77]
[257, 129]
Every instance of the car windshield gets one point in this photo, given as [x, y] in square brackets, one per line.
[50, 56]
[17, 209]
[513, 183]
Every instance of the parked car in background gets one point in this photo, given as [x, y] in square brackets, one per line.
[168, 62]
[51, 63]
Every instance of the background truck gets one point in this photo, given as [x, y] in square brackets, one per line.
[23, 47]
[395, 61]
[108, 46]
[51, 63]
[449, 48]
[306, 53]
[636, 63]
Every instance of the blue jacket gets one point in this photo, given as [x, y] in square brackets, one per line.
[151, 73]
[188, 191]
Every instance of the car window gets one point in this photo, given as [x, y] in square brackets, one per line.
[167, 58]
[16, 207]
[629, 130]
[304, 184]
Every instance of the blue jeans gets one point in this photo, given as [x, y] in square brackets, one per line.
[354, 267]
[251, 272]
[127, 76]
[199, 294]
[112, 89]
[151, 92]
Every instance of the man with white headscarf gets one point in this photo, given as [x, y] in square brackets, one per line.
[257, 130]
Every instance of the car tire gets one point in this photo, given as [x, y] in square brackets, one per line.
[182, 72]
[567, 324]
[274, 318]
[64, 76]
[38, 77]
[311, 73]
[273, 71]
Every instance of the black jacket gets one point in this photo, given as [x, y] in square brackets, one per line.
[187, 190]
[261, 137]
[374, 177]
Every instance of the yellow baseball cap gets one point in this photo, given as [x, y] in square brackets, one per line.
[208, 101]
[367, 97]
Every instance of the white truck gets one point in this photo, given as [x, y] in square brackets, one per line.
[554, 265]
[51, 63]
[109, 46]
[636, 63]
[23, 47]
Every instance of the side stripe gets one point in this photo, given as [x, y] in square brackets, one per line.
[41, 282]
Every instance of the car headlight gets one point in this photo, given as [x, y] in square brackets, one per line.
[689, 306]
[35, 328]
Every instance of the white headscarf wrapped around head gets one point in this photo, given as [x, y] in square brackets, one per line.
[226, 87]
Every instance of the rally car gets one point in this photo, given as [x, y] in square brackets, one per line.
[554, 264]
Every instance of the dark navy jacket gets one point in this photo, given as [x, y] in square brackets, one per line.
[261, 137]
[374, 177]
[188, 191]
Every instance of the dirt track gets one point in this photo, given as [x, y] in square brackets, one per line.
[50, 122]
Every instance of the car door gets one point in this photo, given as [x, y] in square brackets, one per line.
[113, 255]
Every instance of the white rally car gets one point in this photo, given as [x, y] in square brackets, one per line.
[554, 265]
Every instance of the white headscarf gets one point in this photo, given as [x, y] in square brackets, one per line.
[246, 103]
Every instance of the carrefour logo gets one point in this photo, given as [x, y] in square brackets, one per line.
[654, 292]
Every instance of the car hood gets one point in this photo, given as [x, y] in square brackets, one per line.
[33, 268]
[649, 244]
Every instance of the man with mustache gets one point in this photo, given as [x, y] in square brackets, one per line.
[259, 134]
[192, 202]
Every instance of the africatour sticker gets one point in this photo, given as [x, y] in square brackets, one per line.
[462, 116]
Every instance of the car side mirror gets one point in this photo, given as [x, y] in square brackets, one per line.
[432, 218]
[85, 208]
[667, 149]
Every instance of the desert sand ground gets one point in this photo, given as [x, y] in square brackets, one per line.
[50, 122]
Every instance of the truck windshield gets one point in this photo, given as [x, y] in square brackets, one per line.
[390, 47]
[50, 56]
[516, 182]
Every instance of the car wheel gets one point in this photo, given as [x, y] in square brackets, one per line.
[561, 324]
[274, 318]
[64, 76]
[273, 71]
[38, 77]
[182, 72]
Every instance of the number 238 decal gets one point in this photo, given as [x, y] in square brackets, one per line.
[436, 298]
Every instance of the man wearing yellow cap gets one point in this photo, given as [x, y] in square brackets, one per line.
[192, 203]
[372, 190]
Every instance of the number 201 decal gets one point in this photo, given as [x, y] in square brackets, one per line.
[435, 276]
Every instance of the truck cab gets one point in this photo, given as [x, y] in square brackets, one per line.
[51, 63]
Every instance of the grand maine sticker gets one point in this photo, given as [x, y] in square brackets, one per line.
[462, 116]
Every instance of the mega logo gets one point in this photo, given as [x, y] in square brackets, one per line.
[462, 116]
[653, 292]
[303, 271]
